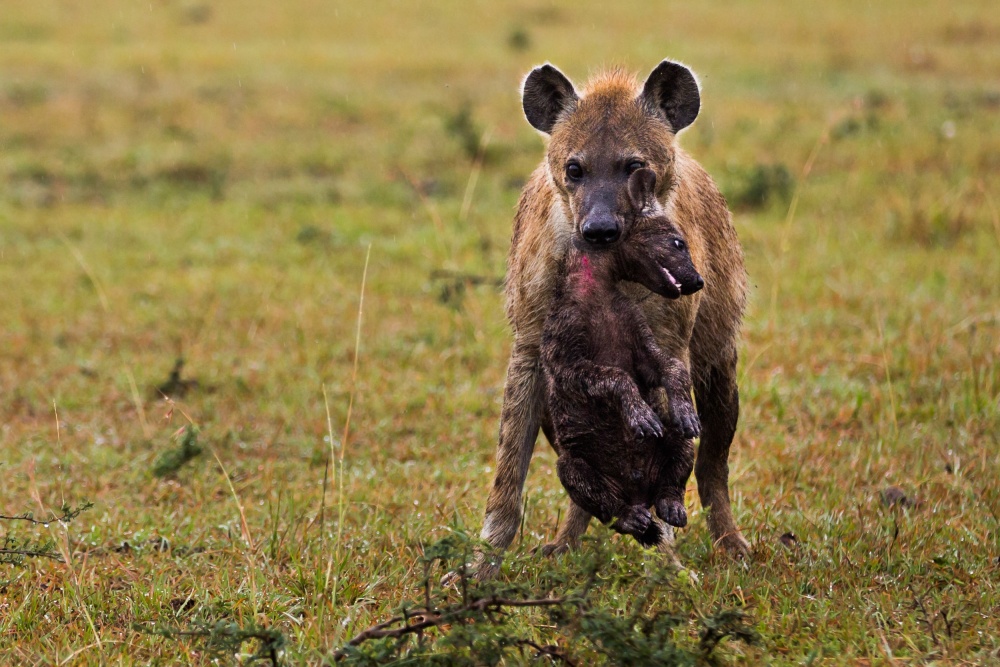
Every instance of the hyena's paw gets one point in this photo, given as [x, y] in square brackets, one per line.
[685, 417]
[483, 567]
[553, 548]
[644, 422]
[672, 511]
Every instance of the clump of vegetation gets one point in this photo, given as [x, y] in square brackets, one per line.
[519, 39]
[462, 126]
[479, 626]
[222, 640]
[453, 285]
[175, 385]
[759, 185]
[315, 235]
[172, 460]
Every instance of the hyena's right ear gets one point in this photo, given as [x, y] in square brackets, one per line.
[546, 94]
[673, 89]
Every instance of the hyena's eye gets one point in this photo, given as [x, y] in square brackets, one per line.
[634, 166]
[574, 171]
[679, 244]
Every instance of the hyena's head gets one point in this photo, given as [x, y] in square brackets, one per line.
[602, 135]
[652, 251]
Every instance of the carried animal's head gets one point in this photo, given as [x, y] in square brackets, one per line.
[602, 135]
[651, 251]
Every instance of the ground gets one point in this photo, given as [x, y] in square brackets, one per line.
[205, 181]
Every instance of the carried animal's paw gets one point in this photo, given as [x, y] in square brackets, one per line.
[673, 512]
[645, 423]
[636, 522]
[685, 417]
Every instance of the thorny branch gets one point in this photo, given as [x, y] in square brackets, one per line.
[67, 514]
[34, 554]
[433, 618]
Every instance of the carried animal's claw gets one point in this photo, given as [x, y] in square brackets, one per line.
[686, 419]
[636, 522]
[645, 423]
[672, 512]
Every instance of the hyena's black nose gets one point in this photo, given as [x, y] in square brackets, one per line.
[601, 231]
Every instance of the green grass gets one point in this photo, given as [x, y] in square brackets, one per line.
[204, 181]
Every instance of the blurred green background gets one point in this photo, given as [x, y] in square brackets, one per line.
[203, 180]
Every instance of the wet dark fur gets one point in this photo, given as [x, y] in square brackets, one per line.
[604, 370]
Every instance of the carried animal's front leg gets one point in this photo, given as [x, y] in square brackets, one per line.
[519, 422]
[611, 384]
[657, 368]
[677, 382]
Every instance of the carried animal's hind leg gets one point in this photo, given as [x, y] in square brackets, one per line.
[718, 402]
[599, 495]
[672, 511]
[640, 523]
[674, 476]
[577, 519]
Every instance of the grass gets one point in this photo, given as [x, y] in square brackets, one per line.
[203, 181]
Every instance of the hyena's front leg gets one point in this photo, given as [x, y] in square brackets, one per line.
[520, 418]
[719, 408]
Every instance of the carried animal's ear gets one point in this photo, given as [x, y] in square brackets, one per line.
[546, 93]
[673, 90]
[641, 187]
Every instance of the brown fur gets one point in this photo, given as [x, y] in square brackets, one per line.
[613, 120]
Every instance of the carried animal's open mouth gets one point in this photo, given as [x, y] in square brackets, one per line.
[670, 277]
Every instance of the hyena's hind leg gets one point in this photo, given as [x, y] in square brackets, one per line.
[572, 527]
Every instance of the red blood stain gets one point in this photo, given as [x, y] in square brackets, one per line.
[586, 275]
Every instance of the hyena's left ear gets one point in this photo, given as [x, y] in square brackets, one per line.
[545, 95]
[672, 89]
